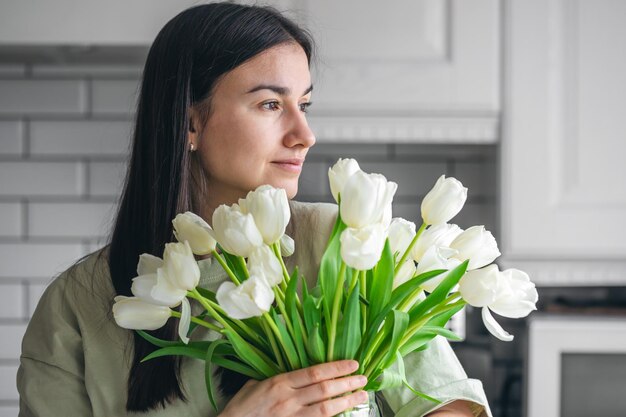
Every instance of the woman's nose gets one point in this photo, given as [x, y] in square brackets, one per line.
[299, 133]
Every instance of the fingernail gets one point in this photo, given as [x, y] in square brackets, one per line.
[362, 380]
[354, 365]
[363, 396]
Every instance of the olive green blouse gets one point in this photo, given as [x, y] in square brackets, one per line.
[75, 360]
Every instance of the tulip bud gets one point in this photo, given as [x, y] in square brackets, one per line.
[339, 174]
[263, 263]
[193, 229]
[133, 313]
[235, 231]
[436, 258]
[361, 248]
[444, 201]
[401, 233]
[365, 199]
[269, 207]
[180, 266]
[157, 289]
[476, 244]
[287, 246]
[250, 299]
[439, 235]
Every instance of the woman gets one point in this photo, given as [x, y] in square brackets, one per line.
[222, 110]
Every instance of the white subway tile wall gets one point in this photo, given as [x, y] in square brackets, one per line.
[64, 140]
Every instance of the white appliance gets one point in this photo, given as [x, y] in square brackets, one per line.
[576, 366]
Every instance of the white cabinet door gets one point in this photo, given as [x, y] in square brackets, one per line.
[407, 70]
[563, 188]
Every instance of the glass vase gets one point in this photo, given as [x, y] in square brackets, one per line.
[367, 409]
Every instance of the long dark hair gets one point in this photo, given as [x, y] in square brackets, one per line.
[187, 58]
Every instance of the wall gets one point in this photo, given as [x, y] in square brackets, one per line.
[64, 134]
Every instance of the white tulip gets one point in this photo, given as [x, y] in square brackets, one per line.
[185, 321]
[148, 264]
[401, 232]
[517, 296]
[444, 201]
[136, 314]
[250, 299]
[235, 231]
[157, 289]
[287, 246]
[269, 207]
[263, 263]
[339, 174]
[180, 266]
[439, 235]
[361, 248]
[436, 257]
[366, 199]
[476, 244]
[192, 228]
[405, 273]
[509, 293]
[479, 287]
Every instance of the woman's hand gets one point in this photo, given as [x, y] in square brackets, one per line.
[303, 393]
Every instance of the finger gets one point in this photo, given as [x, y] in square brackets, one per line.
[335, 406]
[330, 388]
[317, 373]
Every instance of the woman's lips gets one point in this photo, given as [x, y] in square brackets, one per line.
[290, 165]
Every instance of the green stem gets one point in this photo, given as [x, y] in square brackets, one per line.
[283, 311]
[243, 326]
[207, 306]
[421, 322]
[225, 266]
[363, 288]
[244, 267]
[335, 312]
[409, 301]
[286, 276]
[408, 249]
[199, 322]
[272, 339]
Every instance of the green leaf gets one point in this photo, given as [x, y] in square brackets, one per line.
[312, 312]
[208, 377]
[397, 323]
[316, 346]
[379, 289]
[234, 263]
[177, 351]
[395, 376]
[299, 338]
[397, 296]
[441, 292]
[349, 327]
[257, 360]
[329, 268]
[425, 335]
[290, 348]
[156, 341]
[290, 293]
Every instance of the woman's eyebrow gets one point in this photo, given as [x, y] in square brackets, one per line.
[282, 91]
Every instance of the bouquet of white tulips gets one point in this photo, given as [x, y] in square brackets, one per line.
[384, 289]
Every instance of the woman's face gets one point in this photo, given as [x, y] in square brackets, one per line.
[257, 132]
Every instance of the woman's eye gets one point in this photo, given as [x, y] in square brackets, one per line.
[271, 105]
[304, 107]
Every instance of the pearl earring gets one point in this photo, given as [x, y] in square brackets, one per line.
[191, 147]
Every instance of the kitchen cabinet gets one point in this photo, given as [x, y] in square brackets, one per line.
[563, 188]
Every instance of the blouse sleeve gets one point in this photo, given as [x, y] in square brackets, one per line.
[50, 379]
[437, 372]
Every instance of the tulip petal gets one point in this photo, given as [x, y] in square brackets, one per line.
[185, 320]
[479, 287]
[494, 327]
[148, 264]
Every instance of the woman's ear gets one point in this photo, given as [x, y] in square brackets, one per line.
[192, 133]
